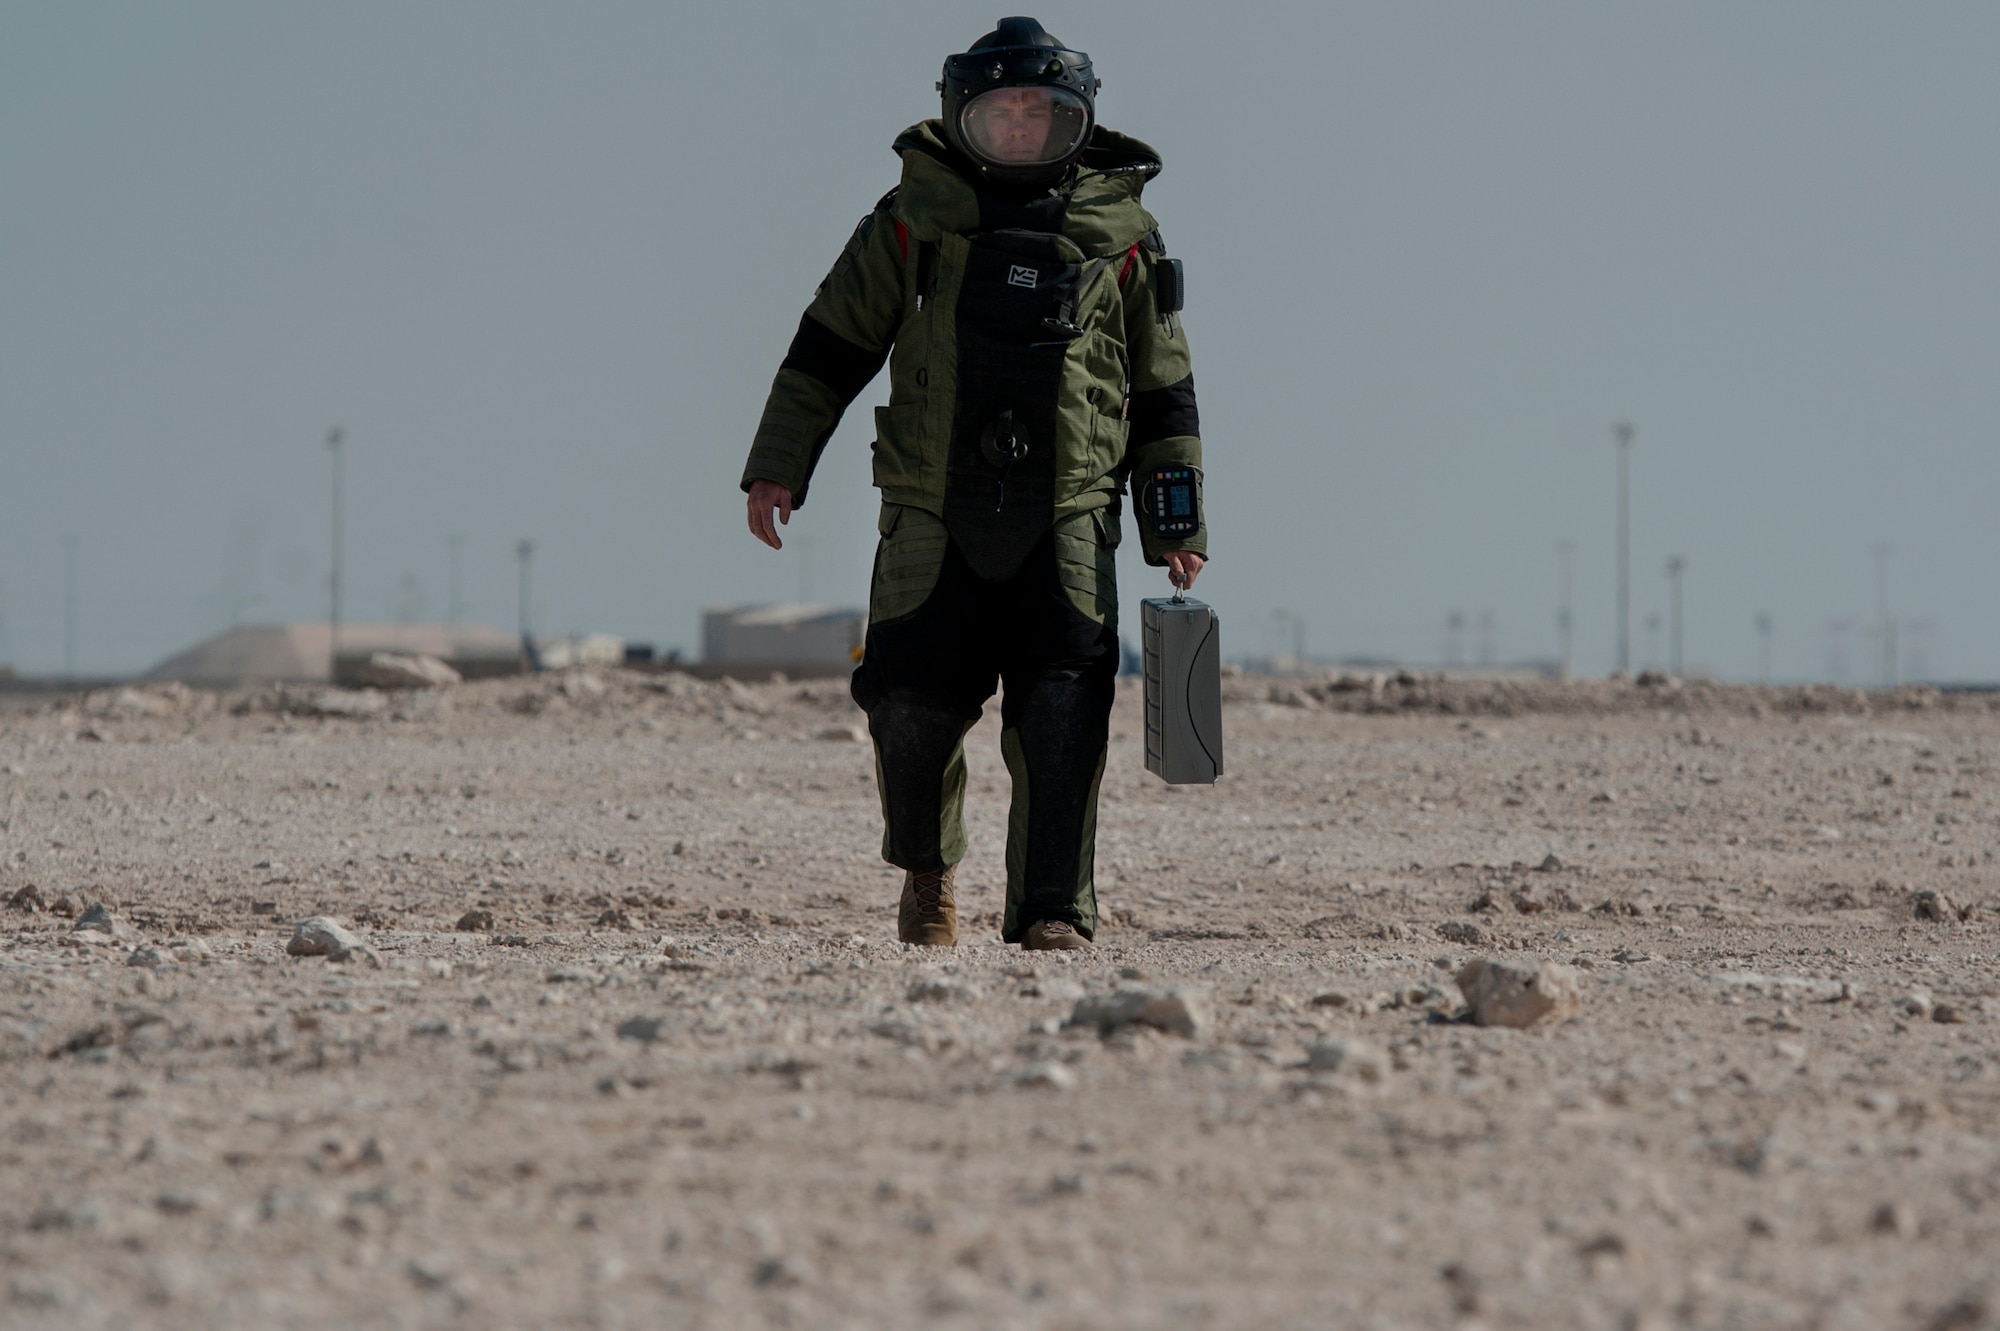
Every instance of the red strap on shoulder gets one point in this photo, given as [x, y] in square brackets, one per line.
[1131, 257]
[903, 239]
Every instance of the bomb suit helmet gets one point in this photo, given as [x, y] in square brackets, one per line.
[1019, 105]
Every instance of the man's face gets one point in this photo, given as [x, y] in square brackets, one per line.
[1012, 124]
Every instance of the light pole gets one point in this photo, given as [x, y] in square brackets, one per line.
[69, 606]
[524, 552]
[1887, 625]
[1676, 565]
[454, 606]
[333, 441]
[1565, 619]
[1623, 430]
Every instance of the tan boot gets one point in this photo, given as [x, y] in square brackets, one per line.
[927, 915]
[1052, 936]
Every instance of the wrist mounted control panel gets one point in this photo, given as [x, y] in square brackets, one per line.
[1171, 498]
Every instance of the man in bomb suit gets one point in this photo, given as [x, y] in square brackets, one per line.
[1029, 315]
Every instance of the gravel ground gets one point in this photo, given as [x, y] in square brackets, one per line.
[627, 1041]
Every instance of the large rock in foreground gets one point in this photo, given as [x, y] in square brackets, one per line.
[322, 937]
[1519, 993]
[1180, 1011]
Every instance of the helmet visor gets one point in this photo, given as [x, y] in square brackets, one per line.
[1024, 126]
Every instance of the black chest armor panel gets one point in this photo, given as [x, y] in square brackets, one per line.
[1015, 318]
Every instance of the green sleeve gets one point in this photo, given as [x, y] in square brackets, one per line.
[841, 344]
[1165, 425]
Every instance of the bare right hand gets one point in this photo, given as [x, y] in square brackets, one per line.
[765, 496]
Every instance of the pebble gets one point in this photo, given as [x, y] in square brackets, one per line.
[1462, 933]
[1059, 988]
[1795, 986]
[911, 1034]
[1354, 1058]
[1894, 1220]
[150, 957]
[190, 951]
[1182, 1011]
[1936, 907]
[937, 990]
[1519, 994]
[1047, 1075]
[320, 936]
[645, 1030]
[99, 925]
[475, 921]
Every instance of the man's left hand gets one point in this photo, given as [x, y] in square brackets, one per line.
[1183, 567]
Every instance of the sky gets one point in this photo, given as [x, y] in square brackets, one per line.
[540, 263]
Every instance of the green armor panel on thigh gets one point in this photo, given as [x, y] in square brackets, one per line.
[906, 562]
[1087, 564]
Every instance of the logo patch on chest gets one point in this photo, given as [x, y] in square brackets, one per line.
[1018, 276]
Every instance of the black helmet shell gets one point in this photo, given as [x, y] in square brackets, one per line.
[1019, 53]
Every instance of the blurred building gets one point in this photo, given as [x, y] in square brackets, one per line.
[276, 653]
[795, 639]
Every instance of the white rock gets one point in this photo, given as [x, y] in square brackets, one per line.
[340, 702]
[927, 1036]
[1051, 1076]
[1800, 986]
[1182, 1011]
[395, 670]
[190, 951]
[323, 937]
[936, 989]
[1917, 1003]
[1517, 993]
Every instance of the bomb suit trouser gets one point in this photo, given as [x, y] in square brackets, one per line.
[939, 639]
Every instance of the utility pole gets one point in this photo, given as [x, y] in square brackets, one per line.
[1676, 565]
[1565, 620]
[524, 552]
[1288, 631]
[333, 441]
[454, 606]
[1886, 625]
[1764, 624]
[69, 606]
[1623, 430]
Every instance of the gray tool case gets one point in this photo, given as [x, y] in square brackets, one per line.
[1182, 644]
